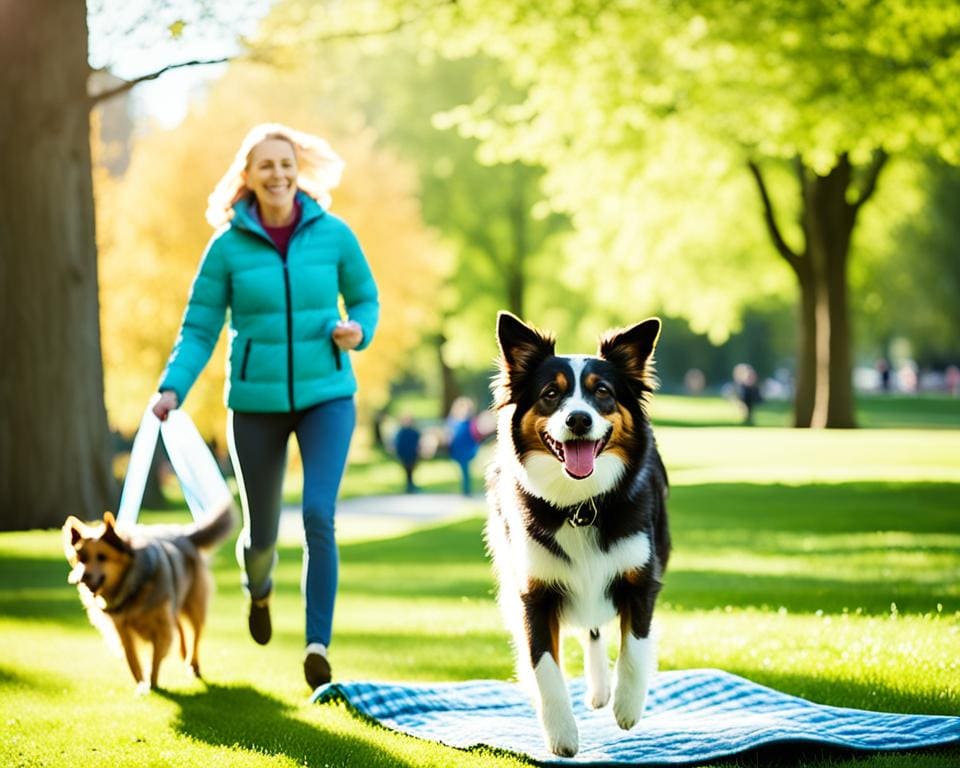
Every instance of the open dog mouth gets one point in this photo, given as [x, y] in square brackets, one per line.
[94, 583]
[577, 456]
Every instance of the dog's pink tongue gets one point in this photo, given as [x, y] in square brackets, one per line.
[578, 457]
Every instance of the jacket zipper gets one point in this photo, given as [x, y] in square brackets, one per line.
[286, 285]
[246, 358]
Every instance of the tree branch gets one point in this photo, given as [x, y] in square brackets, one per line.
[389, 29]
[872, 172]
[347, 34]
[126, 85]
[771, 220]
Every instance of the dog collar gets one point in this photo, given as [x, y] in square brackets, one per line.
[582, 519]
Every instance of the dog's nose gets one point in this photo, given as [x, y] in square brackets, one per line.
[579, 422]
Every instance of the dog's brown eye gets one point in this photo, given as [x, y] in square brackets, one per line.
[550, 393]
[603, 390]
[82, 557]
[101, 558]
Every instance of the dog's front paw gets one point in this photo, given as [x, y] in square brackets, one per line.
[564, 744]
[627, 713]
[142, 689]
[560, 731]
[628, 702]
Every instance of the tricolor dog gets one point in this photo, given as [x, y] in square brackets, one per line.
[578, 520]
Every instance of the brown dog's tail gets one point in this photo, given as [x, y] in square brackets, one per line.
[214, 529]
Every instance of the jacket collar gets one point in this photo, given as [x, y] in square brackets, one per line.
[245, 217]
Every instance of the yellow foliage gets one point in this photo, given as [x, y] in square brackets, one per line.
[151, 232]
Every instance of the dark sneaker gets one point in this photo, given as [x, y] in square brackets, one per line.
[259, 620]
[316, 669]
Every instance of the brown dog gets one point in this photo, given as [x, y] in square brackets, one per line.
[141, 584]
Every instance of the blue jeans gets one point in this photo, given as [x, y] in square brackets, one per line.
[258, 448]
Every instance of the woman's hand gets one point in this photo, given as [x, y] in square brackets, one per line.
[167, 402]
[347, 334]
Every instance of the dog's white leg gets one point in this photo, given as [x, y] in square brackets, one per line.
[635, 667]
[556, 714]
[596, 666]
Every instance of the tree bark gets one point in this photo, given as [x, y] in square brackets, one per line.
[828, 220]
[806, 366]
[54, 438]
[449, 389]
[824, 394]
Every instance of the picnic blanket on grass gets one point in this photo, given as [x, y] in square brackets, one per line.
[691, 716]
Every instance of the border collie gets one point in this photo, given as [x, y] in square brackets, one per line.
[578, 521]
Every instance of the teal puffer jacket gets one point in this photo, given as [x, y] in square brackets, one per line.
[282, 312]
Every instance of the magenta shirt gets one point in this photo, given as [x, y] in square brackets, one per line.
[281, 235]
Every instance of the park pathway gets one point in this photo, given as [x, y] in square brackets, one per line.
[365, 517]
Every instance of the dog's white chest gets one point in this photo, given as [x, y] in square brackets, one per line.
[587, 576]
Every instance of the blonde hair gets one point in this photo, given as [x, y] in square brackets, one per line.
[318, 170]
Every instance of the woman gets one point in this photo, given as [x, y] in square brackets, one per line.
[280, 263]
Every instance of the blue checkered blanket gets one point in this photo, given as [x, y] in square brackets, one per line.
[691, 716]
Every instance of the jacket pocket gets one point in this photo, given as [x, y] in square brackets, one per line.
[246, 359]
[337, 352]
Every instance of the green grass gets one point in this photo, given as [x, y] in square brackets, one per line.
[873, 411]
[840, 583]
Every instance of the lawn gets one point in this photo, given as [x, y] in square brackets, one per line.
[824, 564]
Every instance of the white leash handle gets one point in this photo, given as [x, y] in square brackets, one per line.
[195, 466]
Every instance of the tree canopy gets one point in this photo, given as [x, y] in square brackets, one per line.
[625, 104]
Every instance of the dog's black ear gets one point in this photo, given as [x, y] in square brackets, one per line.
[522, 349]
[521, 346]
[631, 351]
[110, 535]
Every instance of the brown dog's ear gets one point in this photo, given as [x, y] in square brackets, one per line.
[631, 351]
[522, 349]
[110, 535]
[72, 533]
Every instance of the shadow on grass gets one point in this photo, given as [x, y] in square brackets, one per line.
[851, 694]
[752, 510]
[803, 526]
[451, 543]
[36, 589]
[45, 683]
[466, 656]
[241, 716]
[706, 590]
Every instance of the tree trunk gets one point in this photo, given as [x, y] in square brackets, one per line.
[828, 220]
[824, 370]
[449, 389]
[54, 439]
[806, 366]
[841, 407]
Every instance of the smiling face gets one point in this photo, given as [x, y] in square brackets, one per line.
[577, 422]
[100, 558]
[271, 174]
[575, 413]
